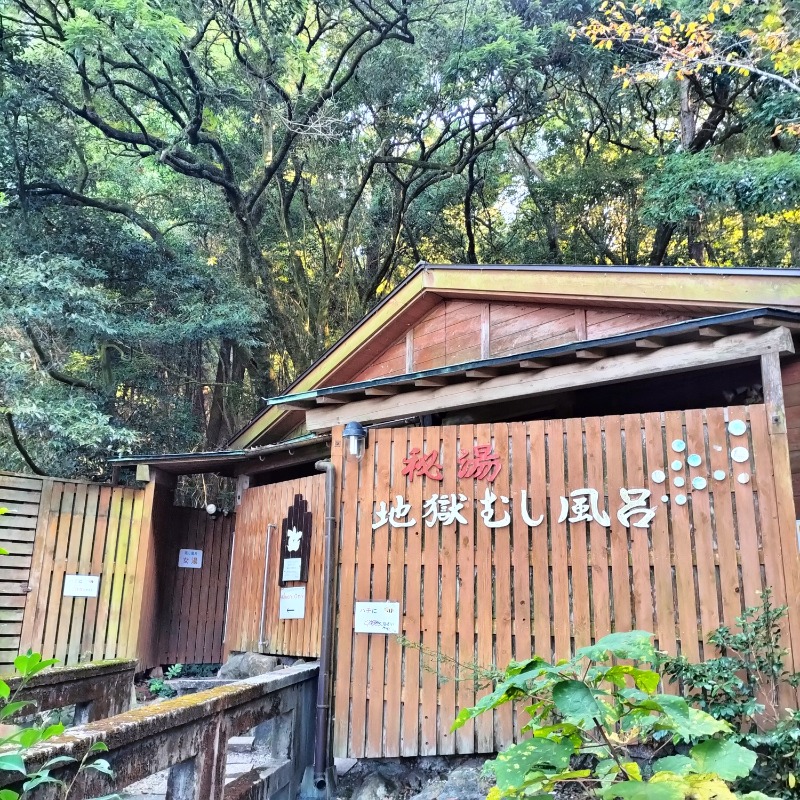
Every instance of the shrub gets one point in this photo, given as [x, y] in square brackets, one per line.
[744, 685]
[588, 713]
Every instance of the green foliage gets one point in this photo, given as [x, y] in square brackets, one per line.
[586, 716]
[16, 743]
[746, 685]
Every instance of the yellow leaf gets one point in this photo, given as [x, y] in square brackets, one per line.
[726, 8]
[710, 16]
[792, 780]
[212, 261]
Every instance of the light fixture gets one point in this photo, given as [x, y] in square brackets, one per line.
[211, 509]
[355, 439]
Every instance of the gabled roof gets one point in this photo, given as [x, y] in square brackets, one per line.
[697, 290]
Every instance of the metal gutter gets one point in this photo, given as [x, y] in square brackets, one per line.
[225, 456]
[673, 329]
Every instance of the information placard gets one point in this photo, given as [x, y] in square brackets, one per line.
[190, 559]
[377, 618]
[81, 585]
[293, 602]
[292, 569]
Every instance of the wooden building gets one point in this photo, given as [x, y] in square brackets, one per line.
[552, 453]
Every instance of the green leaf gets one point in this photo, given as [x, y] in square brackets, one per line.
[634, 645]
[54, 762]
[8, 794]
[99, 747]
[101, 765]
[12, 762]
[5, 690]
[680, 765]
[53, 730]
[634, 790]
[575, 700]
[728, 759]
[43, 776]
[10, 709]
[533, 755]
[644, 679]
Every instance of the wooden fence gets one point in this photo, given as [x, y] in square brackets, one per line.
[473, 594]
[129, 539]
[261, 507]
[21, 495]
[191, 613]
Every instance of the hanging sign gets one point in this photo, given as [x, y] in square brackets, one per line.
[295, 542]
[190, 559]
[377, 618]
[293, 602]
[81, 585]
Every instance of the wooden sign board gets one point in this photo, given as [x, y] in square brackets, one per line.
[190, 559]
[293, 603]
[295, 542]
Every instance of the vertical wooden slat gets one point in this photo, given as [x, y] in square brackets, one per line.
[540, 554]
[484, 724]
[55, 600]
[599, 536]
[409, 736]
[465, 611]
[520, 544]
[503, 609]
[702, 525]
[448, 565]
[664, 590]
[380, 562]
[577, 536]
[559, 577]
[622, 548]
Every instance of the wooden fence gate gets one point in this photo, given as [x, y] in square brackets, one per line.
[260, 519]
[542, 537]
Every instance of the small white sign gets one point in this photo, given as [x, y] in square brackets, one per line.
[292, 569]
[377, 618]
[190, 559]
[81, 585]
[293, 602]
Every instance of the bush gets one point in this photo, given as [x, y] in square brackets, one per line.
[744, 685]
[588, 713]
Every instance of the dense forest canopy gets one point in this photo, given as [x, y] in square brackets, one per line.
[198, 197]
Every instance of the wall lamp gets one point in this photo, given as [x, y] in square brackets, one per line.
[355, 441]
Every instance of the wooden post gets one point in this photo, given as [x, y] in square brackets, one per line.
[779, 445]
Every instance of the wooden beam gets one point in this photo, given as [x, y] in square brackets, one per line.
[651, 343]
[333, 399]
[297, 405]
[772, 382]
[432, 381]
[535, 363]
[483, 372]
[767, 322]
[591, 353]
[616, 369]
[712, 332]
[381, 391]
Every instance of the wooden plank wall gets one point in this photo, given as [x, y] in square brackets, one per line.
[263, 506]
[191, 607]
[475, 595]
[84, 529]
[790, 373]
[457, 331]
[21, 495]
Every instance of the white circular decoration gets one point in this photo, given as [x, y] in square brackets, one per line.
[737, 427]
[658, 476]
[699, 483]
[679, 445]
[718, 448]
[678, 481]
[743, 478]
[740, 454]
[681, 499]
[694, 460]
[719, 474]
[676, 464]
[664, 498]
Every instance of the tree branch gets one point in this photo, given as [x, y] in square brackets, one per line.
[21, 447]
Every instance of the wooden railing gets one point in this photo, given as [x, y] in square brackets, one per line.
[189, 735]
[98, 690]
